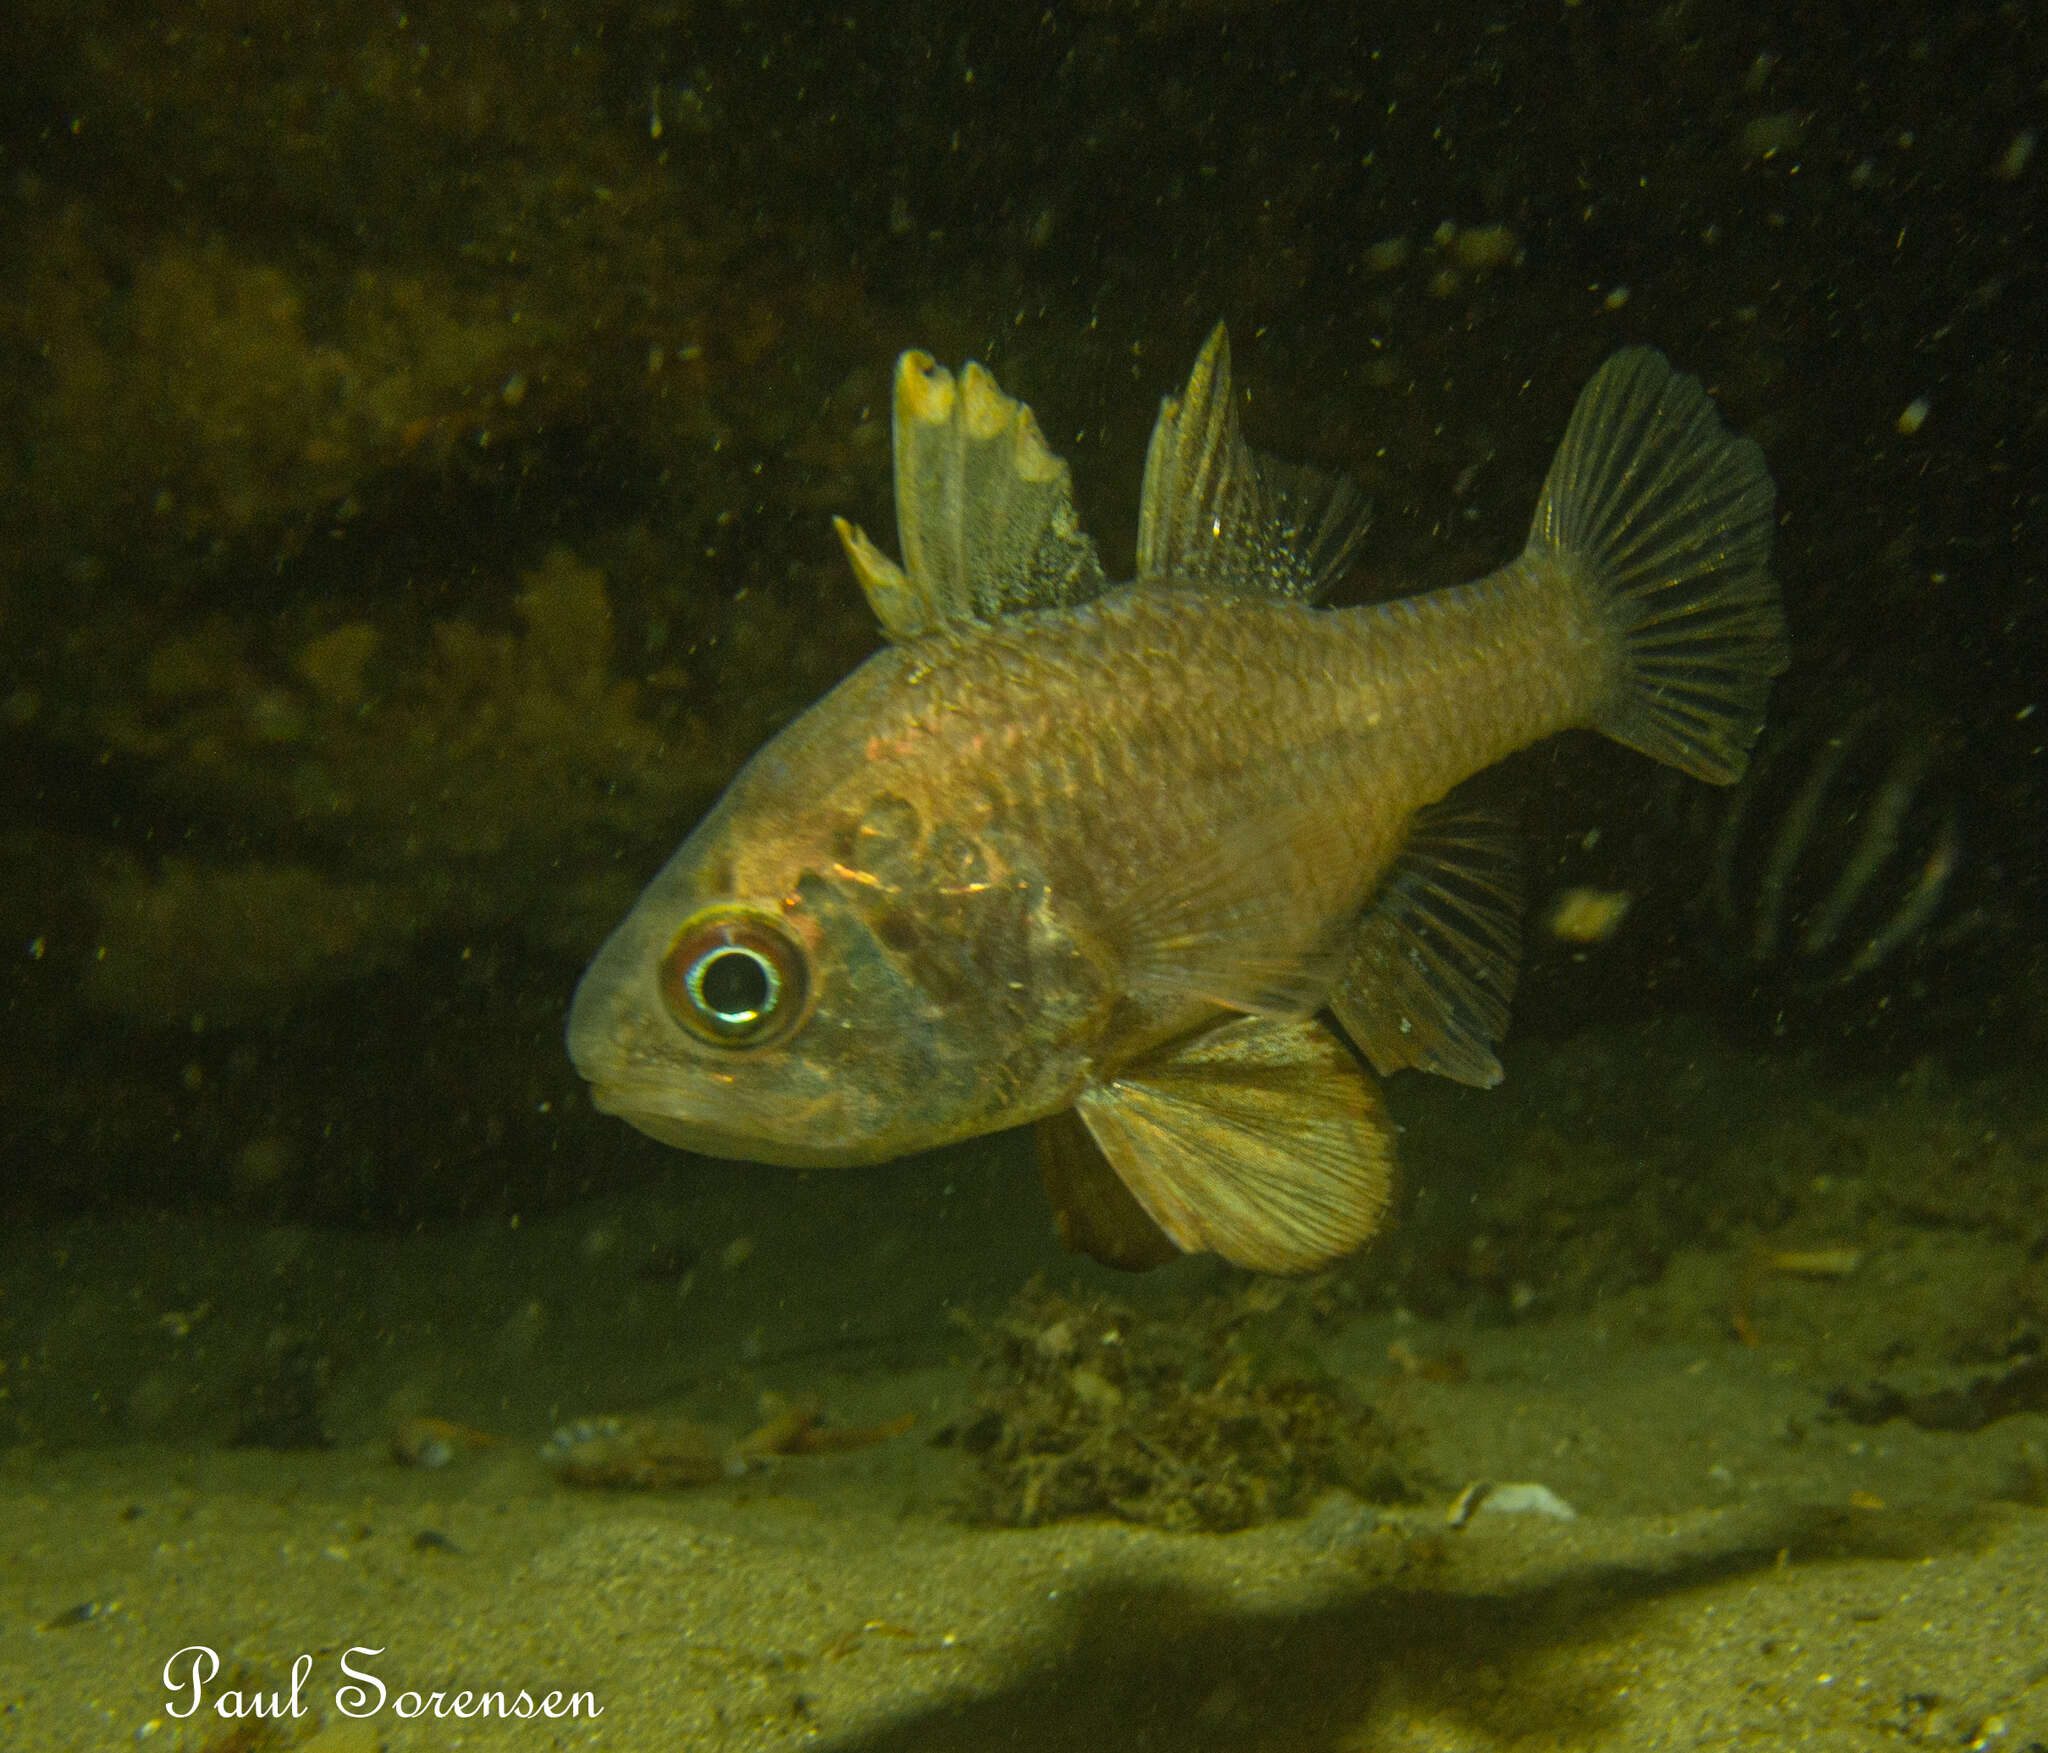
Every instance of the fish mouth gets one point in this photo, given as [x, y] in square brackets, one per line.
[649, 1113]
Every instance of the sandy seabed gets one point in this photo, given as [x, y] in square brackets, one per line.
[1744, 1564]
[1725, 1582]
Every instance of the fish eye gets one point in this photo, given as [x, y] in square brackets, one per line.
[734, 978]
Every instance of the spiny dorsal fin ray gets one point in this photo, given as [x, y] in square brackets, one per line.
[1434, 958]
[1217, 515]
[1262, 1140]
[984, 510]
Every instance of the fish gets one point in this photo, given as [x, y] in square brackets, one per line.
[1152, 866]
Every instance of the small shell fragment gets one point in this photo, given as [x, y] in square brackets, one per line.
[435, 1442]
[1529, 1499]
[1526, 1498]
[1466, 1504]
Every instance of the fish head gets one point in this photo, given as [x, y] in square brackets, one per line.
[830, 970]
[757, 1025]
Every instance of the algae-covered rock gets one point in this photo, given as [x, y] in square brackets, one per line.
[221, 943]
[394, 557]
[456, 785]
[297, 451]
[186, 393]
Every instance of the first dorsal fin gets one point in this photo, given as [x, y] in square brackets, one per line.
[1219, 516]
[984, 510]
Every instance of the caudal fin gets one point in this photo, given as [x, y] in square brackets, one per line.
[1664, 517]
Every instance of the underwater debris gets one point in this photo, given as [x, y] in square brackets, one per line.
[1447, 1365]
[1980, 1401]
[434, 1442]
[1584, 915]
[796, 1430]
[1814, 1262]
[668, 1454]
[1838, 851]
[907, 1637]
[85, 1613]
[1186, 1421]
[635, 1454]
[1819, 1264]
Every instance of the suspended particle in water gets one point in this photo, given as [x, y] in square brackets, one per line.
[2013, 163]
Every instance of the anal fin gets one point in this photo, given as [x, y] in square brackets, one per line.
[1262, 1140]
[1434, 958]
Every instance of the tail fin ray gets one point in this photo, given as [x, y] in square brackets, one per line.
[1665, 518]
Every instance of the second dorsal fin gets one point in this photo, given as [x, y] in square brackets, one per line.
[984, 510]
[1219, 516]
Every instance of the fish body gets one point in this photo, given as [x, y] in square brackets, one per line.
[1067, 852]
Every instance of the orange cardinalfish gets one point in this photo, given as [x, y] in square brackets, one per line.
[1097, 856]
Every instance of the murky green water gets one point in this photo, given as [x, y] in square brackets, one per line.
[422, 437]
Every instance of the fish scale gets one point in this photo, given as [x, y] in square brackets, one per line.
[1371, 713]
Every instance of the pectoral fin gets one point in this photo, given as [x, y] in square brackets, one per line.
[1262, 1140]
[1224, 924]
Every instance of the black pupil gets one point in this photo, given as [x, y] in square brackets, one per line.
[734, 984]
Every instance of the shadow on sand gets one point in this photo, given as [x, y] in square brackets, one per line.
[1146, 1666]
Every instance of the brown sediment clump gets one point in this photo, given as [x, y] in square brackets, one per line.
[1194, 1421]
